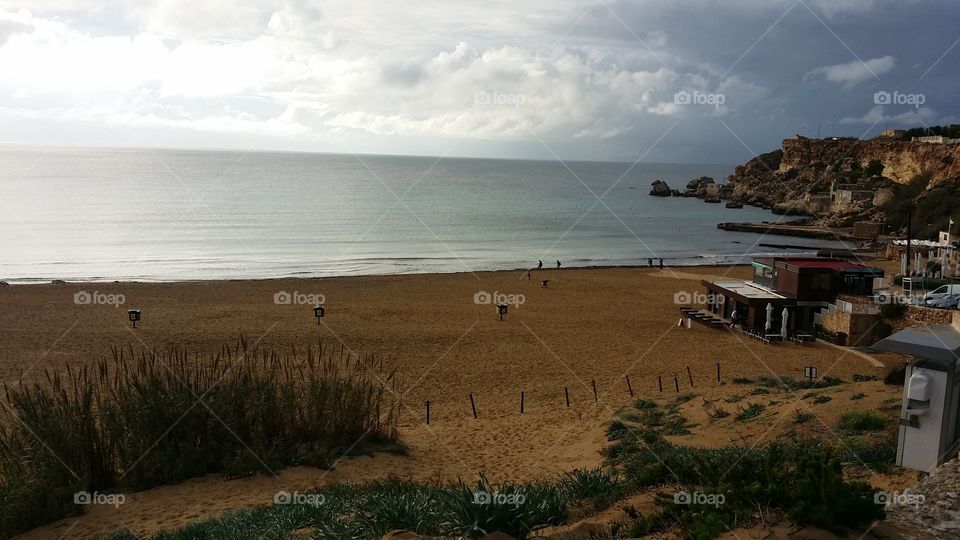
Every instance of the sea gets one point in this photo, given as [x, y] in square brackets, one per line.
[172, 215]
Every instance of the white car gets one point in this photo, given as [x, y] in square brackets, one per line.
[949, 301]
[941, 292]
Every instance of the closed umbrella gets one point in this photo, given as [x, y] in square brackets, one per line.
[783, 323]
[769, 323]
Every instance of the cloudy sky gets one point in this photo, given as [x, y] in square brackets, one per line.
[658, 80]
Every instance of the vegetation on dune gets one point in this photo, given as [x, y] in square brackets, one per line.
[367, 511]
[801, 479]
[163, 417]
[862, 420]
[699, 492]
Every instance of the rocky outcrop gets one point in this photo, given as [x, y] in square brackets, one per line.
[660, 189]
[868, 177]
[902, 160]
[933, 505]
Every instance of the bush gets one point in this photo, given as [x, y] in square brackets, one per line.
[594, 485]
[896, 376]
[803, 478]
[138, 422]
[893, 310]
[874, 168]
[861, 420]
[800, 417]
[863, 378]
[750, 412]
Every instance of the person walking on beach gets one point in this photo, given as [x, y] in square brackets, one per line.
[558, 264]
[528, 275]
[539, 264]
[661, 263]
[650, 263]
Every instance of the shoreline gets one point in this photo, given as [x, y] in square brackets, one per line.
[20, 282]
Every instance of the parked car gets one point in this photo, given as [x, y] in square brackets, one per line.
[942, 291]
[949, 301]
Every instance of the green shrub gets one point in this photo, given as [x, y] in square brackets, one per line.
[742, 380]
[896, 376]
[893, 310]
[645, 404]
[861, 420]
[759, 391]
[822, 399]
[750, 412]
[863, 378]
[858, 395]
[800, 417]
[595, 485]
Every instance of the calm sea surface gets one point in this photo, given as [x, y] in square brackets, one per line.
[168, 215]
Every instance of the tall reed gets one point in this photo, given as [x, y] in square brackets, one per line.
[141, 419]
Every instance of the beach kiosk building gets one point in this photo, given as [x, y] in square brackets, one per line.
[802, 285]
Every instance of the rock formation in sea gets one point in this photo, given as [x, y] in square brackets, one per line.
[660, 189]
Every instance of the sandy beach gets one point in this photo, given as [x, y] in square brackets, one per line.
[587, 327]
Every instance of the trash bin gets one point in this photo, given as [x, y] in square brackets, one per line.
[840, 339]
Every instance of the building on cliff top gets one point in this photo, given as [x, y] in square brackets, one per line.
[936, 139]
[892, 133]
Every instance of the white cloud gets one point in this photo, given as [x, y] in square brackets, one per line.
[911, 117]
[853, 73]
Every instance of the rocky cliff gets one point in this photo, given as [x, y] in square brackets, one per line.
[902, 160]
[877, 177]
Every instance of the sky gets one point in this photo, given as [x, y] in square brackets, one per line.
[689, 81]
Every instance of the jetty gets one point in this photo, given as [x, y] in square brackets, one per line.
[784, 229]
